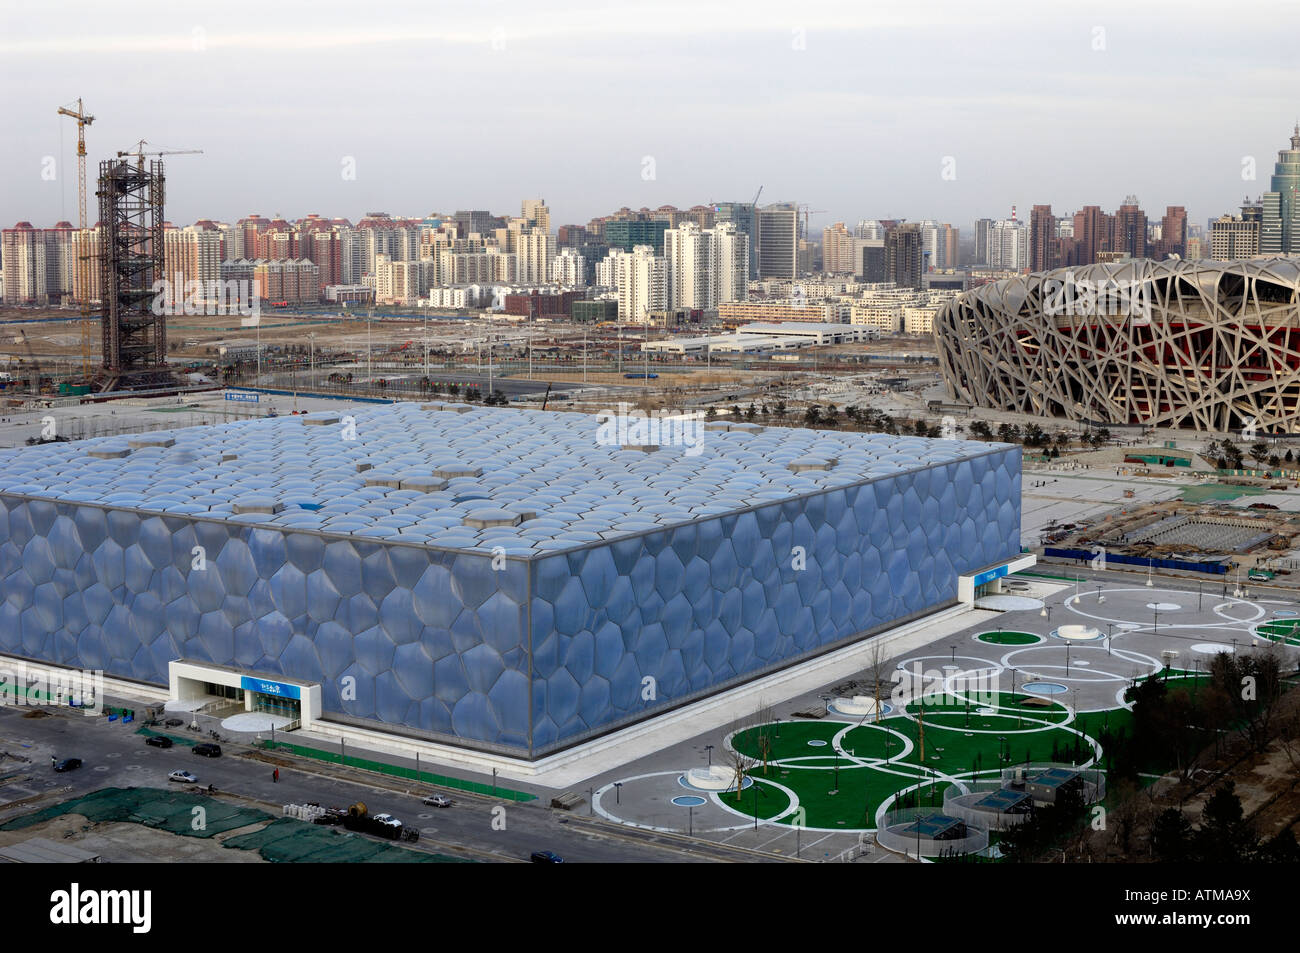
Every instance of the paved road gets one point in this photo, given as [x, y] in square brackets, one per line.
[476, 827]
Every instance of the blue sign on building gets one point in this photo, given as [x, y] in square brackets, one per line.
[243, 396]
[990, 575]
[268, 687]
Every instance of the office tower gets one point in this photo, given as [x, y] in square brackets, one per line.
[903, 256]
[778, 240]
[982, 228]
[627, 234]
[742, 215]
[1280, 228]
[1234, 238]
[869, 228]
[873, 267]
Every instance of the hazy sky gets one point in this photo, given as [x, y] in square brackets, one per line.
[851, 107]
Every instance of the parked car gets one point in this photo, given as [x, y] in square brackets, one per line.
[184, 777]
[546, 857]
[67, 764]
[208, 750]
[437, 800]
[158, 741]
[387, 820]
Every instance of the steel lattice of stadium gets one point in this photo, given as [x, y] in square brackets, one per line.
[1213, 345]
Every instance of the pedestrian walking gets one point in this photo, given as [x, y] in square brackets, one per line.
[275, 775]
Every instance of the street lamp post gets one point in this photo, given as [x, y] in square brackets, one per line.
[709, 749]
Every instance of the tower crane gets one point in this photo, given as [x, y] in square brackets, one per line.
[139, 152]
[83, 297]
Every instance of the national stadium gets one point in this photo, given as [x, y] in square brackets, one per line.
[501, 580]
[1210, 345]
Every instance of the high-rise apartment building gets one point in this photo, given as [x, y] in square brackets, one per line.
[536, 214]
[706, 267]
[569, 268]
[1129, 235]
[839, 250]
[534, 250]
[641, 279]
[1008, 245]
[1044, 245]
[1173, 232]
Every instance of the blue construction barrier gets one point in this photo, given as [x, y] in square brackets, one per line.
[1217, 569]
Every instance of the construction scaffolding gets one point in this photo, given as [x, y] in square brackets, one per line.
[131, 259]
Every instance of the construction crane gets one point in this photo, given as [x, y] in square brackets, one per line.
[807, 211]
[83, 296]
[756, 195]
[139, 153]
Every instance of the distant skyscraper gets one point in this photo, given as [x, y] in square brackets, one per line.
[537, 214]
[741, 214]
[1173, 232]
[1129, 236]
[1234, 238]
[873, 267]
[1009, 245]
[641, 279]
[778, 241]
[903, 256]
[706, 267]
[1280, 229]
[982, 227]
[838, 250]
[1043, 243]
[869, 228]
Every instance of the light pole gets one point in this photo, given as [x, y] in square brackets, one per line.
[1067, 659]
[311, 338]
[709, 749]
[1110, 629]
[1100, 598]
[618, 792]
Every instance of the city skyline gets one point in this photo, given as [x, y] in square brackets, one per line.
[682, 121]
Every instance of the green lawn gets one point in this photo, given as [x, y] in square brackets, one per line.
[1009, 638]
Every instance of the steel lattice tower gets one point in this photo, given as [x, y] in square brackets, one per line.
[131, 259]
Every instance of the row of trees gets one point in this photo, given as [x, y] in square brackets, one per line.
[1226, 455]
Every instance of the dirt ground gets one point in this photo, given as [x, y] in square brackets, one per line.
[123, 843]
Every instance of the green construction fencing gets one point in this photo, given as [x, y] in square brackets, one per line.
[288, 841]
[397, 771]
[176, 739]
[171, 811]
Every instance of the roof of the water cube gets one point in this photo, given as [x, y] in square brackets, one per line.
[528, 481]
